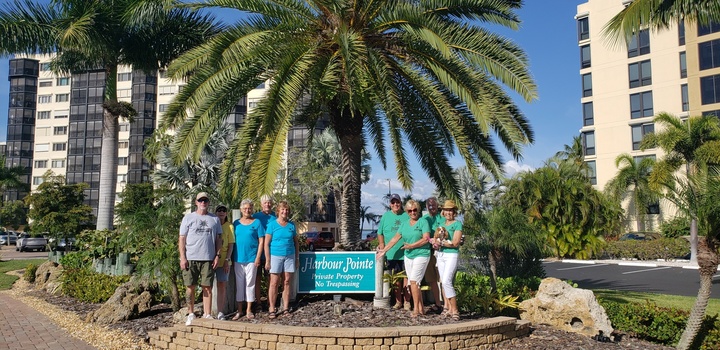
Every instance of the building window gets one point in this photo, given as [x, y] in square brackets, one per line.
[683, 65]
[122, 93]
[588, 114]
[639, 44]
[123, 161]
[166, 90]
[261, 86]
[43, 115]
[587, 84]
[640, 74]
[60, 146]
[163, 107]
[42, 147]
[58, 163]
[61, 114]
[641, 105]
[123, 144]
[62, 97]
[583, 28]
[42, 131]
[124, 127]
[46, 83]
[44, 98]
[709, 54]
[653, 208]
[684, 97]
[592, 172]
[710, 89]
[60, 130]
[710, 28]
[715, 113]
[162, 73]
[585, 56]
[122, 178]
[39, 164]
[639, 132]
[588, 140]
[681, 33]
[65, 81]
[124, 76]
[45, 66]
[252, 103]
[37, 180]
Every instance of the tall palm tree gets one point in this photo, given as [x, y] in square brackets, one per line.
[474, 191]
[366, 216]
[92, 34]
[573, 152]
[692, 144]
[697, 196]
[632, 182]
[414, 75]
[658, 15]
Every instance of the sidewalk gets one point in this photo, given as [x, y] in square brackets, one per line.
[21, 327]
[685, 264]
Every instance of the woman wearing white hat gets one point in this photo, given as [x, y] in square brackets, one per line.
[447, 256]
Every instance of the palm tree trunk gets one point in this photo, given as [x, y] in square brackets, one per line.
[693, 240]
[708, 260]
[492, 261]
[108, 155]
[174, 293]
[349, 132]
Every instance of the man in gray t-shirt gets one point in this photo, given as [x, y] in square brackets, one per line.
[199, 245]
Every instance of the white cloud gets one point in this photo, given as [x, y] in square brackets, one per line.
[512, 167]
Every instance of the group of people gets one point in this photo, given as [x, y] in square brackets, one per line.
[408, 242]
[209, 243]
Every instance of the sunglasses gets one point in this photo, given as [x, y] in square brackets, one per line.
[412, 210]
[221, 211]
[203, 200]
[395, 202]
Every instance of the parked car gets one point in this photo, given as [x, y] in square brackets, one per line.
[322, 240]
[372, 235]
[27, 242]
[637, 236]
[64, 243]
[8, 236]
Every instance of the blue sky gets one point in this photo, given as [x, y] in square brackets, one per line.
[548, 35]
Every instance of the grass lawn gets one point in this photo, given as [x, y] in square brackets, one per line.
[6, 280]
[663, 300]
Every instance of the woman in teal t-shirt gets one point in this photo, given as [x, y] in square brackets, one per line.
[249, 235]
[447, 256]
[415, 233]
[281, 246]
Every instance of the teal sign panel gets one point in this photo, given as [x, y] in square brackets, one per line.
[336, 272]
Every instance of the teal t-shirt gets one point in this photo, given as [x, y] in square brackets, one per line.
[264, 218]
[412, 234]
[282, 238]
[455, 226]
[434, 222]
[246, 241]
[388, 228]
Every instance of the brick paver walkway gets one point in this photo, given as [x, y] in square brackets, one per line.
[21, 327]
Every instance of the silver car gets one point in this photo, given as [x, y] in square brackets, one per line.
[9, 235]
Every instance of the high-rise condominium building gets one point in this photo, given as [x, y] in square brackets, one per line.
[675, 70]
[55, 123]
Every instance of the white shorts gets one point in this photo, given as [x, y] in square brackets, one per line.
[415, 268]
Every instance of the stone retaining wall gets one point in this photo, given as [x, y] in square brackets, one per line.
[221, 335]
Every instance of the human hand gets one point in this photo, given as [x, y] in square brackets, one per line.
[216, 262]
[184, 264]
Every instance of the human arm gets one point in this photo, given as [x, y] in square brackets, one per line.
[258, 257]
[425, 239]
[182, 241]
[455, 243]
[267, 239]
[218, 248]
[382, 252]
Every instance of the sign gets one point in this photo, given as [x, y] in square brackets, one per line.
[336, 272]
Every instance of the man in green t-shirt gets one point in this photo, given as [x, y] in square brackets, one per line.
[387, 228]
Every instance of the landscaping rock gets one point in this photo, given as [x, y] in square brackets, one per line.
[570, 309]
[130, 300]
[47, 277]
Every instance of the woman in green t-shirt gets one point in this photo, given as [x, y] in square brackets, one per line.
[447, 256]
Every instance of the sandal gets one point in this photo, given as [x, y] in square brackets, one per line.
[237, 316]
[272, 314]
[414, 314]
[250, 315]
[285, 312]
[435, 309]
[455, 317]
[397, 306]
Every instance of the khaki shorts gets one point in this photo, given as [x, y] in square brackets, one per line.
[431, 273]
[200, 272]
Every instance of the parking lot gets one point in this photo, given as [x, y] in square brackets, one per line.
[9, 253]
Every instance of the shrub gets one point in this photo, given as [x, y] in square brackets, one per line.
[660, 325]
[664, 248]
[29, 275]
[676, 227]
[474, 293]
[75, 260]
[89, 286]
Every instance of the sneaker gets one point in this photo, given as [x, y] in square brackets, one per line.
[220, 316]
[208, 316]
[190, 318]
[408, 306]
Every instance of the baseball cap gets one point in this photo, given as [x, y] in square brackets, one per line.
[202, 195]
[395, 196]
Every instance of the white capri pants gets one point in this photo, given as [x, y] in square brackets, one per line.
[447, 266]
[415, 268]
[245, 275]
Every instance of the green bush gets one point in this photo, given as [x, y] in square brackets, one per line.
[664, 248]
[75, 260]
[660, 325]
[675, 227]
[29, 275]
[474, 293]
[89, 286]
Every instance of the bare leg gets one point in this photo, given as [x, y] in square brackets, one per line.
[272, 291]
[221, 295]
[207, 300]
[406, 290]
[286, 290]
[190, 295]
[415, 290]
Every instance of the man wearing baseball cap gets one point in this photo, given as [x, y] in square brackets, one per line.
[388, 227]
[199, 245]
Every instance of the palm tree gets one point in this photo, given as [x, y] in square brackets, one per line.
[697, 196]
[427, 75]
[573, 152]
[693, 143]
[366, 216]
[658, 15]
[474, 191]
[91, 34]
[633, 181]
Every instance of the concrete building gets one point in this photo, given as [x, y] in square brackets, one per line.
[55, 124]
[675, 70]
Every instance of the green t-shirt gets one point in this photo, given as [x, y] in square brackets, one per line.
[388, 227]
[433, 222]
[455, 226]
[414, 233]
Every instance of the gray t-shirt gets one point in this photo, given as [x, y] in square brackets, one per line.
[201, 232]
